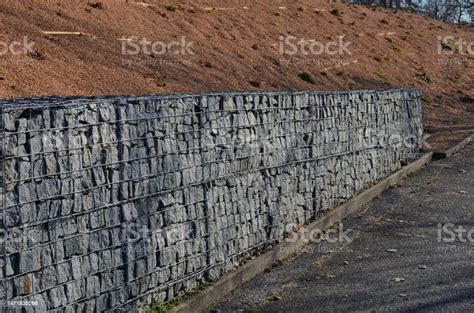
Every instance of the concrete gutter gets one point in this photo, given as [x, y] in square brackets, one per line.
[213, 294]
[438, 155]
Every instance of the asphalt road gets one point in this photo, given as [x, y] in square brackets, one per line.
[402, 254]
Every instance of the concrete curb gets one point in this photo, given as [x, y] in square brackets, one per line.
[438, 155]
[211, 295]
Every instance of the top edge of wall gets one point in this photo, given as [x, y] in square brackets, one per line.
[58, 100]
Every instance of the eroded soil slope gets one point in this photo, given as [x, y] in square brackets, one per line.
[236, 45]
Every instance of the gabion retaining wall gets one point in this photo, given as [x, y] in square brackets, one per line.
[112, 203]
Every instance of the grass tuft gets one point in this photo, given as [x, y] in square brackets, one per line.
[449, 45]
[96, 5]
[336, 12]
[174, 6]
[468, 99]
[307, 77]
[425, 77]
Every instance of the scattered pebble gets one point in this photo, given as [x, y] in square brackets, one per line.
[403, 295]
[422, 267]
[392, 250]
[398, 279]
[276, 297]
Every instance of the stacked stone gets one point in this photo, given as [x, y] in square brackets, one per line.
[113, 203]
[2, 223]
[164, 198]
[104, 202]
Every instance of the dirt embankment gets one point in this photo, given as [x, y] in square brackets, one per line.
[236, 45]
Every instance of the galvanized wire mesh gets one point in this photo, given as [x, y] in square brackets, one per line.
[110, 203]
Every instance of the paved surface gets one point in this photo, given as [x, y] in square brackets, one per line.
[393, 261]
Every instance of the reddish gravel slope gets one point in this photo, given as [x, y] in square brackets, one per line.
[234, 45]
